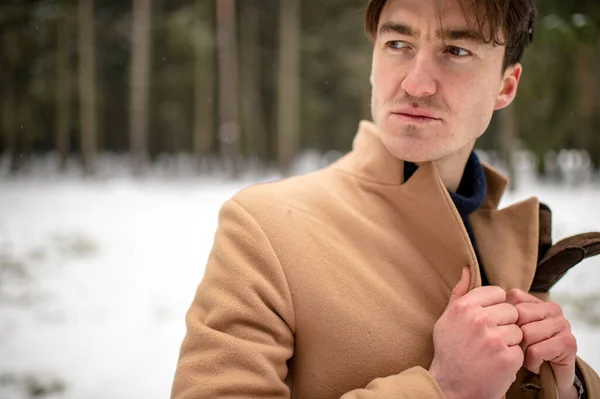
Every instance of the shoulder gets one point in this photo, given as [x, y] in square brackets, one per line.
[304, 194]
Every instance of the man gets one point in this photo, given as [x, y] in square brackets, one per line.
[392, 273]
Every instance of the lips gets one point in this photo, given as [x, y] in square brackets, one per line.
[416, 113]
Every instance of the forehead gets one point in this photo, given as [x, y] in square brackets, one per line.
[433, 14]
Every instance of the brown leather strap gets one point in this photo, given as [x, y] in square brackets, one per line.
[545, 240]
[563, 256]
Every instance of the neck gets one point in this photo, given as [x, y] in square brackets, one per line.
[452, 167]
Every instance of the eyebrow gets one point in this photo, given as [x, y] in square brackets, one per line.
[444, 34]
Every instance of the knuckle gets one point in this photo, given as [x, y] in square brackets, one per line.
[481, 320]
[521, 308]
[519, 356]
[533, 353]
[565, 325]
[514, 312]
[494, 339]
[461, 306]
[514, 292]
[570, 343]
[519, 333]
[555, 309]
[511, 358]
[497, 291]
[527, 334]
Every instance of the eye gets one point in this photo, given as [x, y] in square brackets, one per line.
[396, 45]
[458, 52]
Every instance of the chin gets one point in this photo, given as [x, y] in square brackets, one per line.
[411, 148]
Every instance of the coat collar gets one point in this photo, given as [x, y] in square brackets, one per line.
[375, 163]
[507, 239]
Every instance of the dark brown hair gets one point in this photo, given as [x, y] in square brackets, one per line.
[507, 23]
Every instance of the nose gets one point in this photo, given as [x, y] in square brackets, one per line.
[419, 80]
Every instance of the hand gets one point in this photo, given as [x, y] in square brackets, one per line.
[546, 337]
[476, 343]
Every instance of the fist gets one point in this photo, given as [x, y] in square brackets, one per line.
[476, 343]
[546, 337]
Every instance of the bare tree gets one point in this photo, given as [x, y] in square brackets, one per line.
[288, 101]
[203, 77]
[252, 104]
[87, 86]
[229, 131]
[140, 84]
[64, 74]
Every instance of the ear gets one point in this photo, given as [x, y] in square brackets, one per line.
[508, 88]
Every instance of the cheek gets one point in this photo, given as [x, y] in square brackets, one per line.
[474, 100]
[478, 113]
[385, 80]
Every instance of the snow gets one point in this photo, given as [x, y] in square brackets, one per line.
[113, 265]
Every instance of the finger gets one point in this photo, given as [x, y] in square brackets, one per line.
[502, 314]
[542, 330]
[511, 334]
[516, 296]
[462, 287]
[533, 312]
[516, 354]
[559, 350]
[487, 296]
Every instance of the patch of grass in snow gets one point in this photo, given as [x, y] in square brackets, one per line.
[586, 307]
[19, 272]
[74, 245]
[30, 386]
[12, 268]
[14, 277]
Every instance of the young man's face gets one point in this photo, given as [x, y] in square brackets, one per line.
[434, 92]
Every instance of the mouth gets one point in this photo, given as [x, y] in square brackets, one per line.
[415, 115]
[412, 118]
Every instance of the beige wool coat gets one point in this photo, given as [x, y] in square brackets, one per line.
[328, 285]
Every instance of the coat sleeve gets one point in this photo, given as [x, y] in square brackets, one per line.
[240, 326]
[591, 380]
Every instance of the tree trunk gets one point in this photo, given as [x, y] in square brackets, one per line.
[508, 132]
[140, 83]
[229, 132]
[587, 93]
[9, 42]
[252, 104]
[204, 75]
[87, 86]
[288, 101]
[63, 90]
[9, 112]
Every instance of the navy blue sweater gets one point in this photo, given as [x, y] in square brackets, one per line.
[469, 196]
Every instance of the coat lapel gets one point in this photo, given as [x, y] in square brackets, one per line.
[443, 238]
[507, 239]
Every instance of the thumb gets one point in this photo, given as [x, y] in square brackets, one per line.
[462, 287]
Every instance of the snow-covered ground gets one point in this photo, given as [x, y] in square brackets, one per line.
[95, 278]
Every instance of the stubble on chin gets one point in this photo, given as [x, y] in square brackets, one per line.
[410, 131]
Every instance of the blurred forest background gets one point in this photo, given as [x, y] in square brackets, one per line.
[247, 85]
